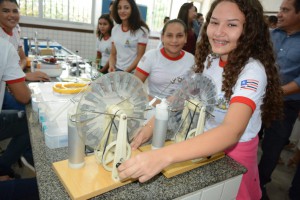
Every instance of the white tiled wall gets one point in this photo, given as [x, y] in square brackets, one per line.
[84, 43]
[225, 190]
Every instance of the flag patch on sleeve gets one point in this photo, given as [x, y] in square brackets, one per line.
[249, 84]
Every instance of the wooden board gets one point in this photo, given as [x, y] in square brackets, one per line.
[88, 181]
[179, 168]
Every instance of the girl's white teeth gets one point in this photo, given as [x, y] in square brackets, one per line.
[220, 42]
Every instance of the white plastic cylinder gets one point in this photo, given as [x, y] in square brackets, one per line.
[161, 125]
[76, 145]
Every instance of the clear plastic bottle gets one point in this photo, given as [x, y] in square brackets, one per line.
[161, 125]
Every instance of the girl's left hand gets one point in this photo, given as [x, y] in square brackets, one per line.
[143, 166]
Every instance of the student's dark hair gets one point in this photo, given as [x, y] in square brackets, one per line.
[254, 42]
[110, 22]
[12, 1]
[166, 19]
[199, 15]
[183, 14]
[297, 5]
[179, 21]
[272, 19]
[135, 20]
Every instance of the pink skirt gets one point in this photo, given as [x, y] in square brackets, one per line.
[245, 153]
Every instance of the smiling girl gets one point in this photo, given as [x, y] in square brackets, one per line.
[236, 51]
[160, 66]
[129, 36]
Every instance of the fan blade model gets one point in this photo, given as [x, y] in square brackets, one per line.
[191, 106]
[108, 114]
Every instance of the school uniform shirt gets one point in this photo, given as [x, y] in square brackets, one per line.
[160, 69]
[14, 38]
[10, 71]
[249, 89]
[126, 44]
[104, 47]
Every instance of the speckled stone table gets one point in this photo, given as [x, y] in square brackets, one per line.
[158, 187]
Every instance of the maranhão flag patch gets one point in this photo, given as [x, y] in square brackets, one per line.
[249, 84]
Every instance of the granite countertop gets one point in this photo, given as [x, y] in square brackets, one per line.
[158, 187]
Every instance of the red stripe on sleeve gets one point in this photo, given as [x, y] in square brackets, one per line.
[16, 80]
[142, 71]
[244, 100]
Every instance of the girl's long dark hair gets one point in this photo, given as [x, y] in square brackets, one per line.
[255, 42]
[183, 14]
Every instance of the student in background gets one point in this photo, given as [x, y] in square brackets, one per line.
[160, 66]
[187, 14]
[129, 37]
[10, 30]
[103, 44]
[13, 126]
[246, 78]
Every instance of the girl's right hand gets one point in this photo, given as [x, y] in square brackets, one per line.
[142, 135]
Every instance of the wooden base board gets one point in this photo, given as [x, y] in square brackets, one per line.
[179, 168]
[89, 181]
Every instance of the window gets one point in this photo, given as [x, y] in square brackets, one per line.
[158, 9]
[29, 7]
[77, 11]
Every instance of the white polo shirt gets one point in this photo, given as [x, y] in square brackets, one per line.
[104, 47]
[249, 89]
[14, 38]
[161, 69]
[10, 71]
[126, 44]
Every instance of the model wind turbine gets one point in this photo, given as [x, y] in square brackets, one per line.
[192, 105]
[108, 114]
